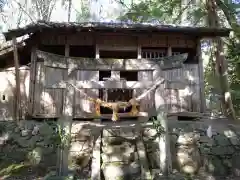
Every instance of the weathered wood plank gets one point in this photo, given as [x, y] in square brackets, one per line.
[186, 81]
[105, 84]
[17, 78]
[201, 78]
[52, 101]
[38, 90]
[93, 115]
[54, 75]
[32, 81]
[188, 75]
[169, 51]
[139, 49]
[82, 38]
[165, 63]
[186, 114]
[81, 103]
[120, 84]
[146, 77]
[118, 39]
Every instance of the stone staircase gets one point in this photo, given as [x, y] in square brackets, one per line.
[107, 153]
[119, 156]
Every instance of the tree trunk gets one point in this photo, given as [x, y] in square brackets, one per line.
[221, 63]
[69, 10]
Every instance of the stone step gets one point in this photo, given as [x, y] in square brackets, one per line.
[119, 155]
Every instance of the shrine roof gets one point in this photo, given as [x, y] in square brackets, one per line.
[40, 26]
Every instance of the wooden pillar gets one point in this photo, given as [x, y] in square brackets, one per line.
[97, 53]
[136, 92]
[201, 78]
[67, 50]
[139, 50]
[17, 107]
[32, 81]
[69, 75]
[69, 91]
[169, 51]
[97, 56]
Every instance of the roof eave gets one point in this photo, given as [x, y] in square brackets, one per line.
[197, 31]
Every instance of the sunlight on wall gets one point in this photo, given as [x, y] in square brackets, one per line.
[7, 80]
[85, 105]
[47, 103]
[186, 92]
[26, 85]
[189, 75]
[159, 100]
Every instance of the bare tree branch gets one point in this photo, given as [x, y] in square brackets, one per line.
[23, 10]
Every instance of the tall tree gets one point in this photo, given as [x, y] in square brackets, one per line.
[44, 8]
[1, 4]
[221, 63]
[204, 13]
[84, 14]
[69, 9]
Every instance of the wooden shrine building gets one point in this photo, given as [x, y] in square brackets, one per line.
[105, 63]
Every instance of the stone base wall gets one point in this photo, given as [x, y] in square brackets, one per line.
[29, 150]
[195, 153]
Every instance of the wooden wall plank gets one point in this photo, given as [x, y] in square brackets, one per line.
[53, 60]
[153, 41]
[52, 101]
[79, 39]
[82, 104]
[174, 92]
[117, 40]
[147, 103]
[92, 84]
[38, 87]
[187, 83]
[48, 100]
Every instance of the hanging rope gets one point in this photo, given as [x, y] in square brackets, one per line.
[115, 106]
